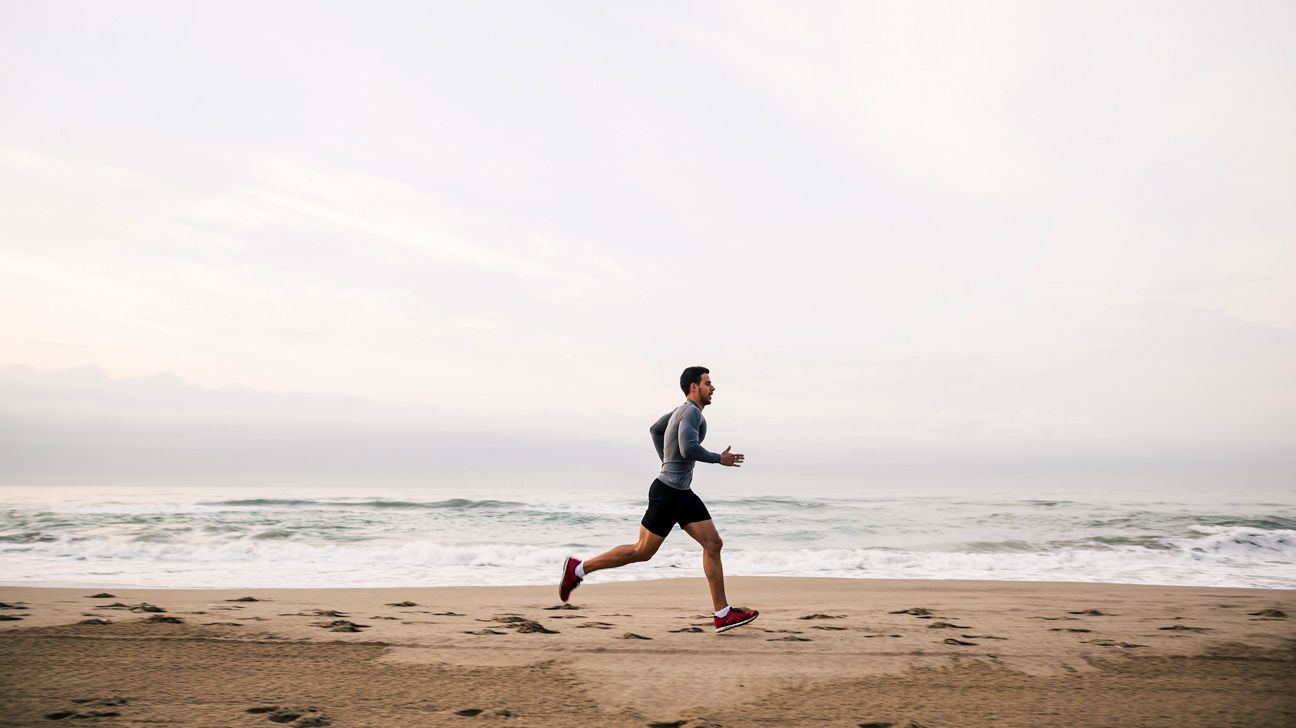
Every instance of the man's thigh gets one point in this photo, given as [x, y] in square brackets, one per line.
[704, 532]
[649, 542]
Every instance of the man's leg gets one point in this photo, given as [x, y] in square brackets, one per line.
[705, 533]
[629, 553]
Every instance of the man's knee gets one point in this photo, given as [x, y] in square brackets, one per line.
[713, 544]
[643, 553]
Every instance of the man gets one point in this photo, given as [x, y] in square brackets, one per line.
[678, 436]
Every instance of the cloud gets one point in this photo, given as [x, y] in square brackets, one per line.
[80, 426]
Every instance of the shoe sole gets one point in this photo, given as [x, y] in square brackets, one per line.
[728, 627]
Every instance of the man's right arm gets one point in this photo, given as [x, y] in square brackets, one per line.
[658, 431]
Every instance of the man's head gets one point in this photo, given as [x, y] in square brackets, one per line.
[696, 383]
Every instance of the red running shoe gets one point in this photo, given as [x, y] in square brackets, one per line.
[735, 618]
[569, 579]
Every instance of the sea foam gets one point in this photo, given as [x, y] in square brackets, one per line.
[183, 539]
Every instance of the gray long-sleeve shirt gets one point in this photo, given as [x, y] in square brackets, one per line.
[678, 436]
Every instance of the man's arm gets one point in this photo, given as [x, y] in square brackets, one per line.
[658, 431]
[689, 443]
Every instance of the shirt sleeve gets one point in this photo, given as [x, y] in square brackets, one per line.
[658, 431]
[690, 443]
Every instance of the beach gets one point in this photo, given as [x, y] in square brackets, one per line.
[833, 652]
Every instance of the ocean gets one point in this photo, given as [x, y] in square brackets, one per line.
[243, 537]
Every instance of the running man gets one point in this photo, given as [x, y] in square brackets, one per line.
[678, 436]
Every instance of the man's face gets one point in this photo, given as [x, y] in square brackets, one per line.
[705, 389]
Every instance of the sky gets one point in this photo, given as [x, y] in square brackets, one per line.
[404, 242]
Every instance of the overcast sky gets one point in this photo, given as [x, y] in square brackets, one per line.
[410, 241]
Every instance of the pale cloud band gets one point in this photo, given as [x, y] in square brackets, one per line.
[1012, 234]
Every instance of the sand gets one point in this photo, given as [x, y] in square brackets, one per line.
[830, 652]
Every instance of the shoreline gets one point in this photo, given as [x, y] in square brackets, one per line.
[650, 579]
[825, 651]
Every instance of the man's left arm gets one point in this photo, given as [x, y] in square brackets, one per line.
[690, 439]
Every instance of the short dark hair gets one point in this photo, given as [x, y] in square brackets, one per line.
[692, 375]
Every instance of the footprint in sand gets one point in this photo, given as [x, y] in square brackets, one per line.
[828, 626]
[946, 625]
[487, 630]
[141, 607]
[915, 611]
[446, 614]
[1089, 613]
[298, 717]
[102, 595]
[89, 708]
[15, 605]
[688, 629]
[633, 636]
[317, 613]
[1068, 629]
[564, 605]
[530, 627]
[114, 605]
[983, 637]
[247, 599]
[523, 625]
[1185, 628]
[403, 604]
[1111, 643]
[789, 638]
[341, 625]
[12, 617]
[818, 615]
[95, 620]
[1268, 614]
[162, 619]
[77, 714]
[596, 625]
[952, 641]
[471, 712]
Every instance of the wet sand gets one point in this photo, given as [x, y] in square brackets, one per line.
[830, 652]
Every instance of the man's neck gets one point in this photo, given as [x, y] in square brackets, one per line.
[697, 401]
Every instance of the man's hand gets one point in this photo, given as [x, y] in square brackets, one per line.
[733, 459]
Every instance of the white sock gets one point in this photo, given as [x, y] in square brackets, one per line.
[580, 570]
[723, 613]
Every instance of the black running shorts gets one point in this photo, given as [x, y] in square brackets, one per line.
[668, 506]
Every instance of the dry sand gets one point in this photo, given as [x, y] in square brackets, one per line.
[829, 652]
